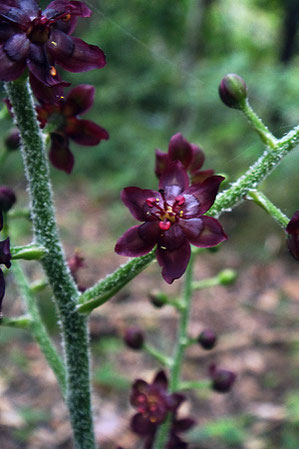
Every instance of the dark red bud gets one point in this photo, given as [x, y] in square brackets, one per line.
[207, 339]
[233, 91]
[12, 140]
[222, 379]
[7, 198]
[134, 338]
[158, 299]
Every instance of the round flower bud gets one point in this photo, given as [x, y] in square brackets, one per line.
[134, 338]
[158, 299]
[12, 140]
[233, 91]
[7, 198]
[227, 277]
[207, 339]
[222, 379]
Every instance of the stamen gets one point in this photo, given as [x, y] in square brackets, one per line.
[180, 200]
[66, 18]
[163, 247]
[181, 213]
[53, 71]
[151, 201]
[54, 43]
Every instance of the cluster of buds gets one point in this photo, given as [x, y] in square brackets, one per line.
[36, 40]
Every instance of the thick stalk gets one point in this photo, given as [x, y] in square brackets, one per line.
[261, 200]
[74, 327]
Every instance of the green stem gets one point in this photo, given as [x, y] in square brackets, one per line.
[108, 287]
[161, 358]
[261, 200]
[182, 343]
[231, 197]
[19, 322]
[38, 329]
[205, 283]
[19, 213]
[195, 385]
[74, 326]
[264, 133]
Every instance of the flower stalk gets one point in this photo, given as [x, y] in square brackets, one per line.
[73, 325]
[261, 200]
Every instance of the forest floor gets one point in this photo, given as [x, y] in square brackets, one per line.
[256, 321]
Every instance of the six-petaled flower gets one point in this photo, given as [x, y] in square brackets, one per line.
[173, 218]
[36, 39]
[190, 155]
[63, 116]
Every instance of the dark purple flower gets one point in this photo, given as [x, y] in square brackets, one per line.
[222, 379]
[65, 113]
[173, 218]
[75, 262]
[293, 235]
[233, 91]
[39, 39]
[153, 403]
[5, 258]
[12, 140]
[7, 198]
[190, 155]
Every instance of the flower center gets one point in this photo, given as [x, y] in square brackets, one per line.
[166, 213]
[40, 27]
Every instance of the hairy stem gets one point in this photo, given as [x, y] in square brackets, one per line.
[261, 200]
[74, 326]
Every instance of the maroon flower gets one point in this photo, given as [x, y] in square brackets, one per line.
[191, 156]
[293, 235]
[69, 126]
[5, 258]
[7, 198]
[173, 219]
[75, 262]
[153, 403]
[39, 39]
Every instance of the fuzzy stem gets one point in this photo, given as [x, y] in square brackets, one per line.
[74, 326]
[108, 287]
[231, 197]
[261, 200]
[258, 125]
[38, 329]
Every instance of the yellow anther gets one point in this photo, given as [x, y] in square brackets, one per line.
[163, 247]
[54, 43]
[53, 71]
[181, 213]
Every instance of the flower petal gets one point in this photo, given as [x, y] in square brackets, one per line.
[184, 424]
[40, 66]
[139, 387]
[160, 380]
[174, 179]
[79, 100]
[174, 262]
[85, 132]
[17, 47]
[201, 176]
[135, 200]
[73, 54]
[132, 245]
[141, 426]
[58, 7]
[191, 227]
[45, 94]
[211, 235]
[14, 15]
[29, 6]
[161, 162]
[173, 238]
[2, 289]
[293, 245]
[198, 158]
[5, 256]
[7, 30]
[180, 150]
[293, 225]
[60, 154]
[205, 192]
[10, 70]
[1, 220]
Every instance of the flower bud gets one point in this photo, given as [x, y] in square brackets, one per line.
[292, 230]
[7, 198]
[227, 277]
[134, 338]
[207, 339]
[12, 140]
[158, 299]
[233, 91]
[222, 379]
